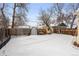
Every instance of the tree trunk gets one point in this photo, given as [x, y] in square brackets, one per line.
[14, 11]
[3, 15]
[73, 21]
[4, 19]
[49, 28]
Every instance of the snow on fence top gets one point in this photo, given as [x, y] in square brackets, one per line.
[20, 27]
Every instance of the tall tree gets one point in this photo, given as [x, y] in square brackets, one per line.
[45, 16]
[3, 15]
[59, 8]
[4, 21]
[14, 11]
[57, 11]
[74, 7]
[20, 10]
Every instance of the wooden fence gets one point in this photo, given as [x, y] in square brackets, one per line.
[65, 31]
[20, 31]
[59, 30]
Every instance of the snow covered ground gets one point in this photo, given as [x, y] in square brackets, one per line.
[40, 45]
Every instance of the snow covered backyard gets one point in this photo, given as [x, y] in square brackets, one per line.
[40, 45]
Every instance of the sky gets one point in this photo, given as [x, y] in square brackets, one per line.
[33, 13]
[34, 9]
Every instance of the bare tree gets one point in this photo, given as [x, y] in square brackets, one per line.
[3, 15]
[74, 7]
[14, 11]
[4, 20]
[57, 11]
[19, 21]
[69, 17]
[45, 16]
[60, 14]
[20, 10]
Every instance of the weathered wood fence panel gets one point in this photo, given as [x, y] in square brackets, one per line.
[65, 31]
[20, 31]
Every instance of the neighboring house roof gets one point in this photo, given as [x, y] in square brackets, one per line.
[62, 24]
